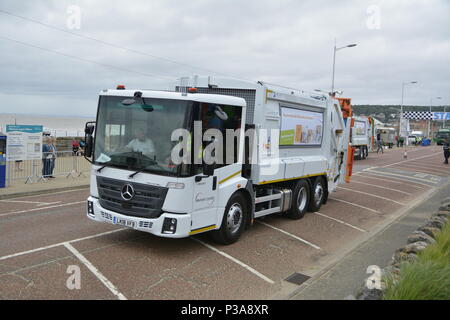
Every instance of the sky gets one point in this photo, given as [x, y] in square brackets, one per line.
[286, 42]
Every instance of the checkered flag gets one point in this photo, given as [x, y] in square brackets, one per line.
[418, 115]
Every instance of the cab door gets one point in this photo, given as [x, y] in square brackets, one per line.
[204, 202]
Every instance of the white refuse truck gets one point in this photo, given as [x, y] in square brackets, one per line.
[292, 153]
[361, 137]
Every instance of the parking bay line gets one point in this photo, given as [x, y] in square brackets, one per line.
[377, 186]
[356, 205]
[111, 287]
[386, 175]
[59, 244]
[242, 264]
[340, 221]
[290, 235]
[425, 167]
[428, 156]
[372, 195]
[42, 208]
[28, 202]
[388, 180]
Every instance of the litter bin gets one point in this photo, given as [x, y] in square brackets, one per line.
[2, 160]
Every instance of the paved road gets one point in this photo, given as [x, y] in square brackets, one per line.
[43, 237]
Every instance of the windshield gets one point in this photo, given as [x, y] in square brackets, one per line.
[138, 136]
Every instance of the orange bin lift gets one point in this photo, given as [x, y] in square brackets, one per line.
[347, 112]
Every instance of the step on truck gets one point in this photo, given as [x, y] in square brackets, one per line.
[213, 154]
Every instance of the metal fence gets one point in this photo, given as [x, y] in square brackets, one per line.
[65, 163]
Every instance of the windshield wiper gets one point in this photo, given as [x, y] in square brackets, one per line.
[100, 169]
[141, 170]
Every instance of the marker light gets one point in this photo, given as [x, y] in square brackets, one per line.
[175, 185]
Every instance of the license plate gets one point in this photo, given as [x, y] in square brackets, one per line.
[124, 222]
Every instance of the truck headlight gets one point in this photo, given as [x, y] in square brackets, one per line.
[169, 226]
[90, 208]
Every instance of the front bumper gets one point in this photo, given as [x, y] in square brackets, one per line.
[153, 226]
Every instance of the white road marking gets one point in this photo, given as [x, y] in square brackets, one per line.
[51, 193]
[95, 271]
[403, 176]
[403, 179]
[425, 167]
[59, 244]
[23, 201]
[355, 205]
[389, 180]
[260, 275]
[340, 221]
[290, 235]
[428, 156]
[377, 186]
[50, 203]
[42, 208]
[372, 195]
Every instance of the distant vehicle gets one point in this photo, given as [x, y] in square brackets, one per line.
[361, 137]
[387, 136]
[415, 137]
[441, 135]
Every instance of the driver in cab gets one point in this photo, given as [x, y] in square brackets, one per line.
[141, 143]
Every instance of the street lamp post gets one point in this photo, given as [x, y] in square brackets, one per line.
[401, 110]
[429, 121]
[334, 61]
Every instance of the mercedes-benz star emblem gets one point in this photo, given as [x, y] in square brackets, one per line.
[127, 192]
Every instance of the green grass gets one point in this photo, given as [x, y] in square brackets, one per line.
[427, 278]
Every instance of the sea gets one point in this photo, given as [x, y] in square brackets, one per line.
[57, 126]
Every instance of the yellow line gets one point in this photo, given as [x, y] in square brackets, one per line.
[233, 175]
[281, 180]
[202, 229]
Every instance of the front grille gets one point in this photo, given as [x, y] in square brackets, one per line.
[146, 203]
[249, 95]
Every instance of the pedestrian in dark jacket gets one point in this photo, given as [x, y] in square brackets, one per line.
[46, 158]
[446, 148]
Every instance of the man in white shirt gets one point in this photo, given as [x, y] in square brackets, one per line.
[141, 143]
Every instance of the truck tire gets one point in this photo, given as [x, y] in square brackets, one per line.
[360, 154]
[233, 221]
[300, 200]
[317, 195]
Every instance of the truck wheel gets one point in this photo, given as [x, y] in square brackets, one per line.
[300, 200]
[360, 154]
[317, 195]
[233, 221]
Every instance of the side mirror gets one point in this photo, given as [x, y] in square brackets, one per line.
[89, 146]
[89, 139]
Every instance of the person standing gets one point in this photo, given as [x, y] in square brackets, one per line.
[446, 148]
[46, 156]
[379, 143]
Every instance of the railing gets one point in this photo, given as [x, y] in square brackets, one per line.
[64, 163]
